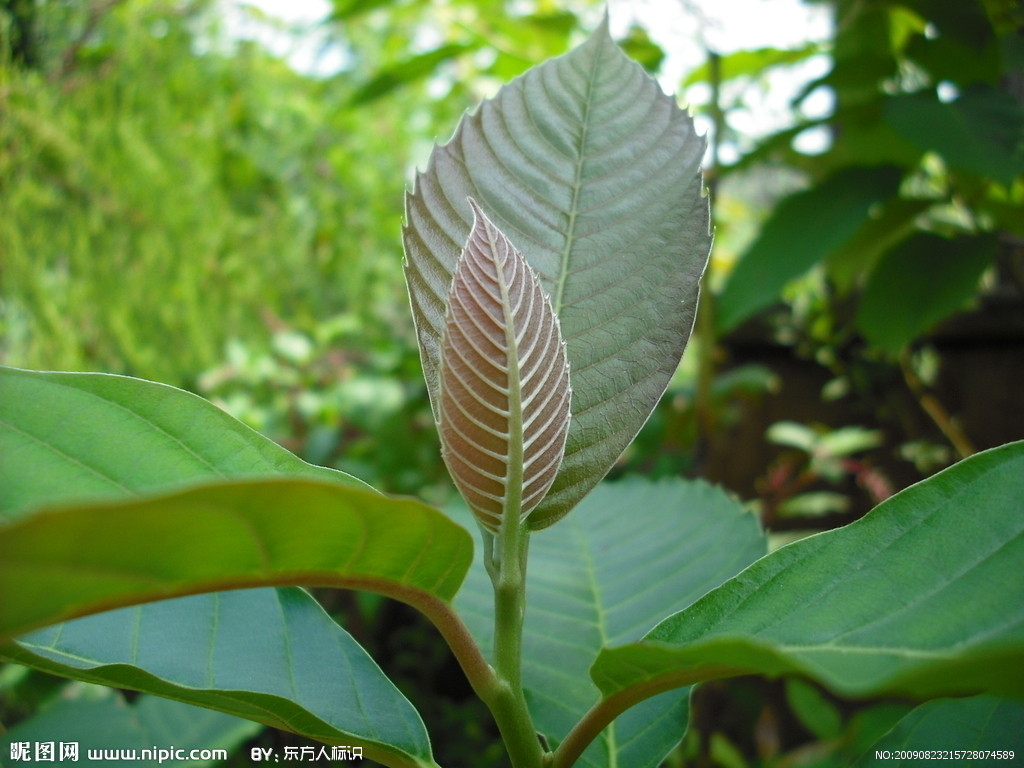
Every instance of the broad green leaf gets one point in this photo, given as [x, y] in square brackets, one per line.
[100, 718]
[982, 131]
[967, 47]
[222, 536]
[803, 230]
[895, 221]
[752, 63]
[632, 552]
[816, 713]
[504, 380]
[73, 436]
[269, 655]
[920, 598]
[918, 283]
[594, 174]
[408, 71]
[84, 446]
[946, 726]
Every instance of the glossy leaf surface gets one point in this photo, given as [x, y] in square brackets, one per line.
[505, 392]
[594, 174]
[71, 561]
[632, 552]
[94, 435]
[920, 598]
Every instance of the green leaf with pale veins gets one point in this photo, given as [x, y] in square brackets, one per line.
[593, 173]
[269, 655]
[631, 553]
[118, 491]
[73, 436]
[973, 725]
[920, 598]
[100, 718]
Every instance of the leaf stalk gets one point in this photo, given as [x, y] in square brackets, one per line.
[508, 703]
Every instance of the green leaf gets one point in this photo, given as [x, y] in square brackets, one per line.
[816, 713]
[229, 535]
[876, 236]
[752, 62]
[920, 282]
[98, 439]
[408, 71]
[631, 552]
[593, 173]
[982, 131]
[637, 44]
[345, 10]
[504, 380]
[269, 655]
[102, 719]
[978, 723]
[74, 436]
[803, 230]
[920, 598]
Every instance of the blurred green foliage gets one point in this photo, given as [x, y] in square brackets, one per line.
[181, 205]
[159, 201]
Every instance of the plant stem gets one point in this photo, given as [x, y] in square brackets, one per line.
[609, 707]
[505, 558]
[499, 687]
[931, 405]
[506, 564]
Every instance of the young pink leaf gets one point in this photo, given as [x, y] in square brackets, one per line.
[505, 395]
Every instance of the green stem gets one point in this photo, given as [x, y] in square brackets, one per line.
[505, 557]
[608, 708]
[506, 564]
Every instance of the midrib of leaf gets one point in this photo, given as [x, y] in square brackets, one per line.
[211, 676]
[950, 578]
[71, 459]
[866, 650]
[289, 658]
[214, 470]
[563, 275]
[602, 628]
[512, 503]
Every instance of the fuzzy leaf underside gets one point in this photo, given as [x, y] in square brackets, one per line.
[505, 391]
[594, 173]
